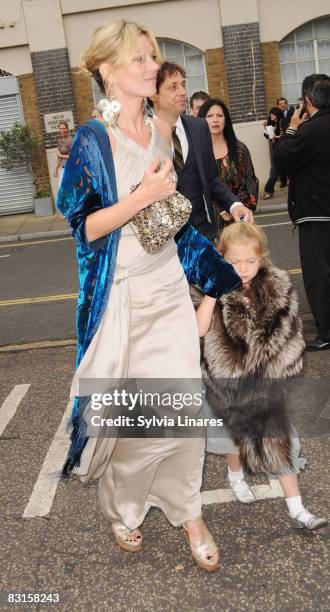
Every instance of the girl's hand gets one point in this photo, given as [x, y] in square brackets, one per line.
[157, 185]
[204, 314]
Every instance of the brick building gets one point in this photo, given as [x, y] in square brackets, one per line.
[247, 52]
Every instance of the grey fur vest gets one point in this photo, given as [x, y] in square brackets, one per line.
[251, 345]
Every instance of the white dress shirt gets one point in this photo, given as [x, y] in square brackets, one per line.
[181, 133]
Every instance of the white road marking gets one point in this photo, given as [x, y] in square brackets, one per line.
[276, 224]
[4, 255]
[11, 404]
[223, 496]
[44, 490]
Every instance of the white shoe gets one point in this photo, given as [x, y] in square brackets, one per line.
[242, 491]
[308, 521]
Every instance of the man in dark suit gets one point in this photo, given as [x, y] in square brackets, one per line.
[305, 154]
[287, 113]
[193, 158]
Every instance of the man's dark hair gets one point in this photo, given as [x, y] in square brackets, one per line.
[280, 99]
[198, 95]
[168, 69]
[316, 87]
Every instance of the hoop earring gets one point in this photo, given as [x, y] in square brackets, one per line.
[109, 108]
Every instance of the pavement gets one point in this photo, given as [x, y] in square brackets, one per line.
[64, 545]
[29, 227]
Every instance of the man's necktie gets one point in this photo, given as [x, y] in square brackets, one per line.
[178, 162]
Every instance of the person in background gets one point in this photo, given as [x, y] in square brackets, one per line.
[196, 101]
[193, 159]
[232, 156]
[287, 112]
[64, 143]
[273, 131]
[304, 153]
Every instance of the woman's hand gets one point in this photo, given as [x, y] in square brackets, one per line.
[226, 216]
[156, 185]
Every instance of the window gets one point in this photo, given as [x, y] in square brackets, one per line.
[191, 59]
[304, 51]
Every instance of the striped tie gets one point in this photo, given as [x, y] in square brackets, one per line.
[178, 162]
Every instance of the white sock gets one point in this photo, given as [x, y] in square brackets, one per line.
[234, 476]
[296, 506]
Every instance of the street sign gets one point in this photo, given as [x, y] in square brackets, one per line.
[52, 120]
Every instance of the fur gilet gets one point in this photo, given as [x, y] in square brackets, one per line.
[254, 341]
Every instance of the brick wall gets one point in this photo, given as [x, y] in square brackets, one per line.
[32, 119]
[82, 94]
[216, 74]
[53, 85]
[244, 72]
[272, 72]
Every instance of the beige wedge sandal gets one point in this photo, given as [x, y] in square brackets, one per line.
[130, 541]
[204, 551]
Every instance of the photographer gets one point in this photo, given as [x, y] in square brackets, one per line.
[305, 154]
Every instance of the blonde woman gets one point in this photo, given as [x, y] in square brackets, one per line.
[135, 319]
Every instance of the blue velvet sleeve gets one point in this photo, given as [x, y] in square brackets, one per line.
[80, 193]
[204, 266]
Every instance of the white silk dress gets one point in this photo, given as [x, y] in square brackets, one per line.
[148, 331]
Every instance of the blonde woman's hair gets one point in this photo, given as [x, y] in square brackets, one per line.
[115, 42]
[243, 233]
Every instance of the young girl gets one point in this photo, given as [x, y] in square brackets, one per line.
[254, 335]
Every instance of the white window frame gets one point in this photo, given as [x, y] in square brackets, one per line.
[292, 39]
[182, 62]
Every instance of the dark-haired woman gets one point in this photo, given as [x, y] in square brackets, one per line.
[232, 155]
[273, 131]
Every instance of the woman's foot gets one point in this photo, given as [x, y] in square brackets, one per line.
[203, 547]
[130, 541]
[306, 520]
[267, 196]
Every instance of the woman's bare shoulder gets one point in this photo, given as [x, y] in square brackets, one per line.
[164, 130]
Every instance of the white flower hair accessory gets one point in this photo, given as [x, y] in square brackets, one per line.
[109, 109]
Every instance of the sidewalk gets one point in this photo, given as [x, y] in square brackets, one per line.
[29, 227]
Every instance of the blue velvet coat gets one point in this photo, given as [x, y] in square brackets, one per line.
[89, 184]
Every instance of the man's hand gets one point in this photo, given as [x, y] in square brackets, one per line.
[296, 120]
[240, 212]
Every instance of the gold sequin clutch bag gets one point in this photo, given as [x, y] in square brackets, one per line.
[159, 222]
